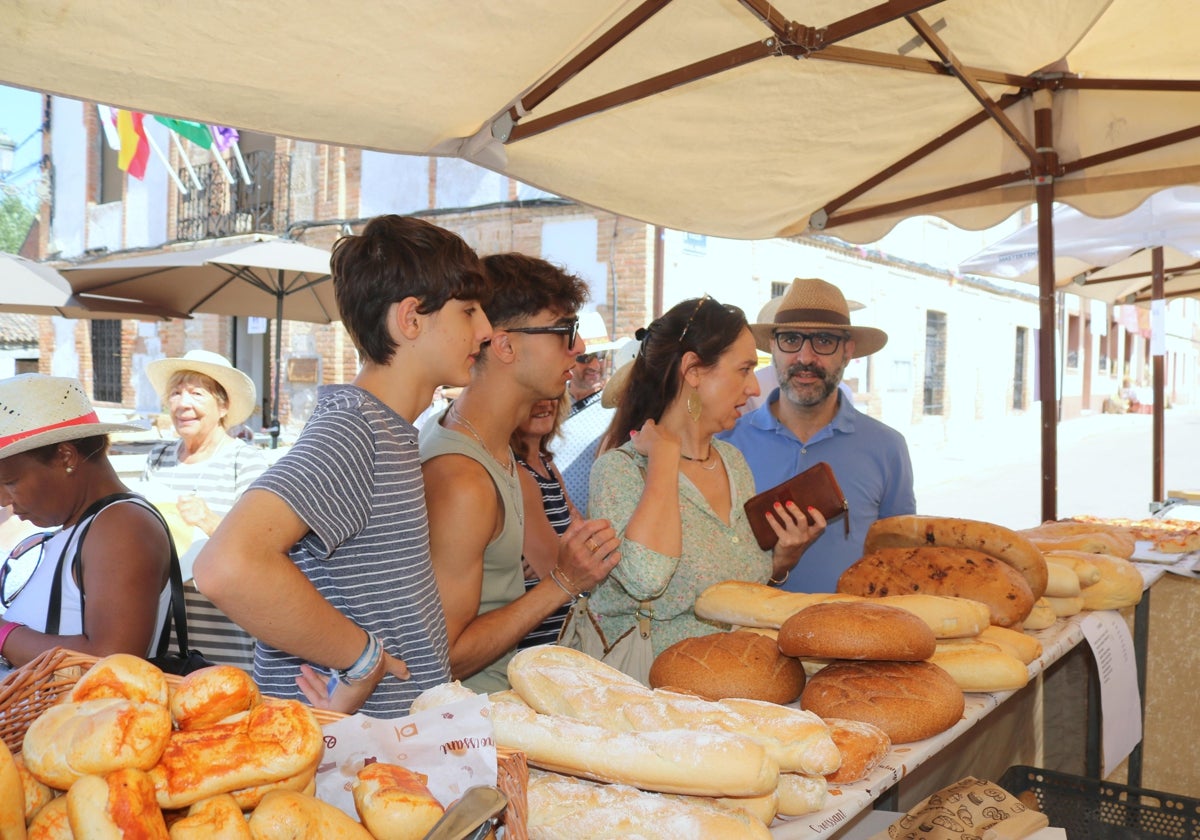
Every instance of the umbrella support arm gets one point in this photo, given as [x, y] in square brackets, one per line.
[278, 372]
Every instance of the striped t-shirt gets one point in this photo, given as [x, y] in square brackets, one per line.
[354, 476]
[219, 481]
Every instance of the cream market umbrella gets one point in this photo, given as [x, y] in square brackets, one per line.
[260, 276]
[33, 288]
[737, 118]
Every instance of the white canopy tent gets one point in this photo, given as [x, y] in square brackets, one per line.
[737, 118]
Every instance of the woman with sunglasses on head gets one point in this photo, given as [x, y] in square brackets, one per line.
[674, 491]
[99, 584]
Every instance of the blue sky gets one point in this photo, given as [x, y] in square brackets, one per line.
[20, 116]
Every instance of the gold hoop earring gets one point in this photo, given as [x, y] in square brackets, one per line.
[694, 406]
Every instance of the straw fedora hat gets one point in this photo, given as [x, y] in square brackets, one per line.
[238, 386]
[812, 304]
[38, 410]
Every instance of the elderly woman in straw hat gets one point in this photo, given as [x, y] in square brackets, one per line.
[206, 470]
[673, 490]
[104, 548]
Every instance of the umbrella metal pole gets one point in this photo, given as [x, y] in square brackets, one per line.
[1046, 305]
[278, 362]
[1157, 360]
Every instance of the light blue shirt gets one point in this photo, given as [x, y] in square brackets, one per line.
[869, 459]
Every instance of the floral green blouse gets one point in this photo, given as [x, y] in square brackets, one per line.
[712, 551]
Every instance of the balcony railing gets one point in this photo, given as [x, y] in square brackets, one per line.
[262, 205]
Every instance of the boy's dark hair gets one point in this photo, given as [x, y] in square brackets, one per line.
[396, 257]
[523, 286]
[701, 325]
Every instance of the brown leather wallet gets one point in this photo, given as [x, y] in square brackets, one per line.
[815, 487]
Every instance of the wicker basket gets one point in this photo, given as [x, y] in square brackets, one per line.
[31, 689]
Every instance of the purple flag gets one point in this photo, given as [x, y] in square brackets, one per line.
[223, 136]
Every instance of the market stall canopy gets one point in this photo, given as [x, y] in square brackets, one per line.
[740, 119]
[1108, 259]
[33, 288]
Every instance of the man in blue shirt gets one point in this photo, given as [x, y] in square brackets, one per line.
[807, 420]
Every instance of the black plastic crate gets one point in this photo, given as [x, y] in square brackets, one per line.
[1090, 809]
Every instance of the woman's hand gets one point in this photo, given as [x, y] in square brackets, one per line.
[195, 511]
[795, 535]
[587, 552]
[653, 438]
[329, 693]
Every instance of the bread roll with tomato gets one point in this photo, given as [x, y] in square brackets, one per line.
[218, 816]
[210, 695]
[287, 815]
[118, 805]
[394, 803]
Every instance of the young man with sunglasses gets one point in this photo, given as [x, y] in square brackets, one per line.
[807, 420]
[473, 491]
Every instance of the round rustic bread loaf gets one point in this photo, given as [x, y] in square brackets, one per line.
[907, 700]
[857, 630]
[736, 664]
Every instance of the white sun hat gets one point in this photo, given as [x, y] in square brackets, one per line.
[238, 386]
[594, 333]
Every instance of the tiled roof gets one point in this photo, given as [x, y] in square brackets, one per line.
[18, 330]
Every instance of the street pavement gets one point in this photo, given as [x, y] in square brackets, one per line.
[991, 470]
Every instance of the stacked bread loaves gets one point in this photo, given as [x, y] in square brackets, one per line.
[133, 754]
[621, 759]
[1090, 566]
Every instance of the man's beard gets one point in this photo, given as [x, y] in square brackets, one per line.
[810, 394]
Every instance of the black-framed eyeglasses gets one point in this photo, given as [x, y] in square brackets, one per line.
[569, 329]
[695, 312]
[20, 565]
[823, 344]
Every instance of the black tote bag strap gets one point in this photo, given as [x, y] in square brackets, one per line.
[176, 614]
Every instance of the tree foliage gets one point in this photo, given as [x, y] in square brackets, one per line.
[16, 217]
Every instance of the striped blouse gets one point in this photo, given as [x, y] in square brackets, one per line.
[554, 501]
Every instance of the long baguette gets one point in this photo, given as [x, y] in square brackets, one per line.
[674, 761]
[1091, 543]
[562, 681]
[755, 604]
[980, 666]
[995, 540]
[560, 806]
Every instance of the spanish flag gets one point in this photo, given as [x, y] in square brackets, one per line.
[135, 149]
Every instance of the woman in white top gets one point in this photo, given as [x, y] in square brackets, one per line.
[55, 473]
[205, 470]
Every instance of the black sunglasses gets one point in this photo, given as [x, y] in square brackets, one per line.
[13, 574]
[569, 329]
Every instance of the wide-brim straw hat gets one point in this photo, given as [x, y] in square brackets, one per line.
[813, 304]
[38, 410]
[238, 386]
